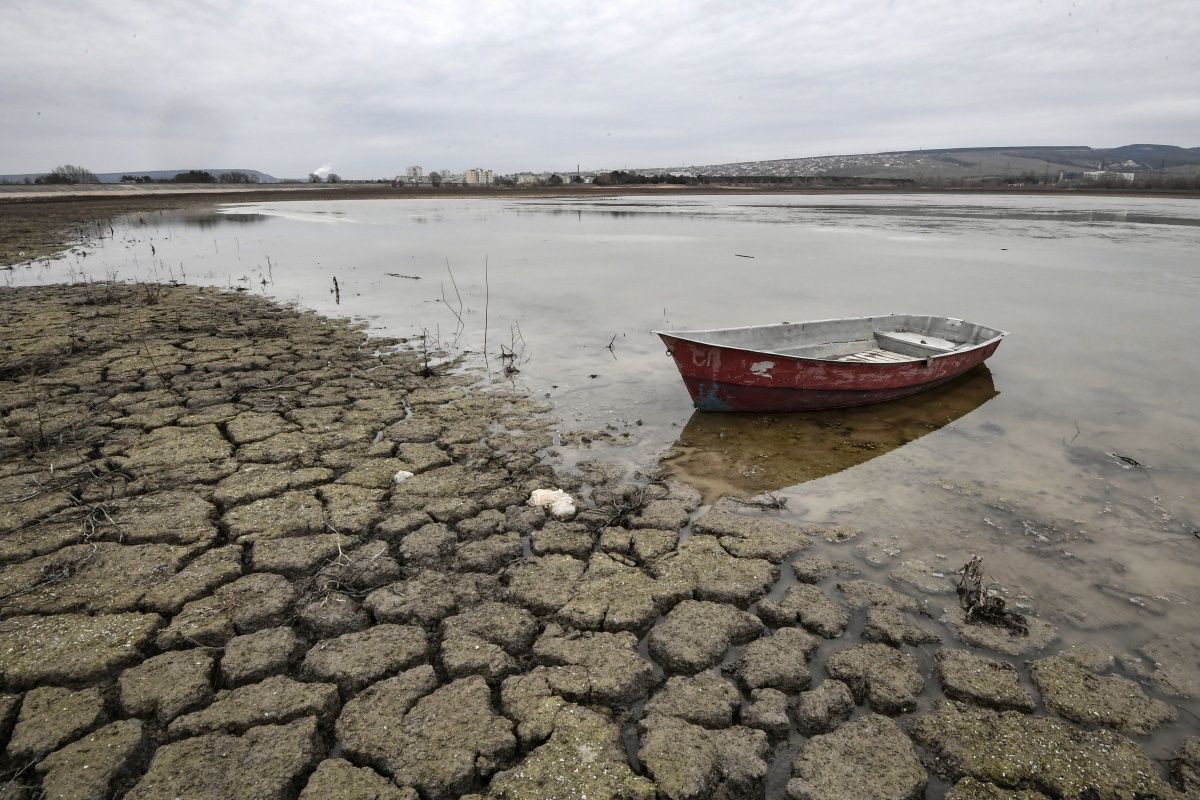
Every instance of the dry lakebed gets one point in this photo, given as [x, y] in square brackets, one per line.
[250, 552]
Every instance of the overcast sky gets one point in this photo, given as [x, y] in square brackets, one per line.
[367, 88]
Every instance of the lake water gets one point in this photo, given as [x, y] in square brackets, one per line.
[1027, 464]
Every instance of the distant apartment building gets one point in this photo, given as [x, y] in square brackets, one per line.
[414, 174]
[479, 177]
[1101, 175]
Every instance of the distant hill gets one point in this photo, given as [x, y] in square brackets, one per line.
[966, 162]
[155, 174]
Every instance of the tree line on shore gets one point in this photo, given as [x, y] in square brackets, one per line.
[72, 174]
[194, 176]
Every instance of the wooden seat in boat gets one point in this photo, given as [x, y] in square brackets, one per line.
[877, 356]
[923, 341]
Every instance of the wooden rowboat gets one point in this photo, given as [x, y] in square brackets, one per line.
[831, 363]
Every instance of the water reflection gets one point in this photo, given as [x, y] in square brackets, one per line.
[750, 453]
[1021, 215]
[558, 210]
[809, 211]
[215, 220]
[196, 219]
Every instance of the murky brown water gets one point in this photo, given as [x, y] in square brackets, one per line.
[1021, 464]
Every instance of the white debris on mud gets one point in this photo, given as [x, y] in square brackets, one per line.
[556, 501]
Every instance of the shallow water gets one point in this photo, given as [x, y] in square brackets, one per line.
[1021, 464]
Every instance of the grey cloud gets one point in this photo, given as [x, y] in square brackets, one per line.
[373, 87]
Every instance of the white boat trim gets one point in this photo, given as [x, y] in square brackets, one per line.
[894, 338]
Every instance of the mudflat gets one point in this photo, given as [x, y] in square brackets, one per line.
[247, 551]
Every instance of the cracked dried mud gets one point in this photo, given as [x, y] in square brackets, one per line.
[213, 585]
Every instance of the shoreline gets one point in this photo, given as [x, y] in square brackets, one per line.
[235, 532]
[264, 192]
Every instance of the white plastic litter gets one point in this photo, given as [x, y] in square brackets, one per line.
[401, 476]
[558, 502]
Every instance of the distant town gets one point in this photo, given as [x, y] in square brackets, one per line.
[1152, 165]
[478, 176]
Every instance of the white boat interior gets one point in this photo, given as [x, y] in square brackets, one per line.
[872, 340]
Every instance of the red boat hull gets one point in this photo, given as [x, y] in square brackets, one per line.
[729, 379]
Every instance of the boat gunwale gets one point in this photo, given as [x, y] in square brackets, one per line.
[682, 336]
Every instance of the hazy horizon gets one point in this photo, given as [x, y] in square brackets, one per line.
[367, 91]
[325, 170]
